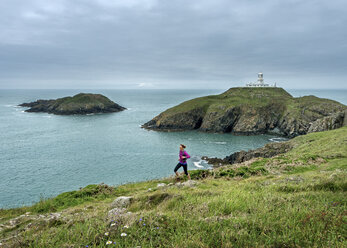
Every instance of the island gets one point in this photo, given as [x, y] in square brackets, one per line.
[79, 104]
[251, 110]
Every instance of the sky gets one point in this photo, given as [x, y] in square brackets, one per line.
[193, 44]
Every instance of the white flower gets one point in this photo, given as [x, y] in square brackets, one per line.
[106, 233]
[123, 234]
[126, 226]
[113, 224]
[108, 242]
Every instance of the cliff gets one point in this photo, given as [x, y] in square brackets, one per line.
[252, 111]
[78, 104]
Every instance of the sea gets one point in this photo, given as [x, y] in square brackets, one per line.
[43, 155]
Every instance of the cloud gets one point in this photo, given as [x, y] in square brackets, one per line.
[200, 43]
[145, 85]
[147, 4]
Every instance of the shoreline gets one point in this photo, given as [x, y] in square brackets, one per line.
[269, 150]
[308, 180]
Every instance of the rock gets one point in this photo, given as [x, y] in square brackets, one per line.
[113, 213]
[278, 112]
[121, 202]
[119, 216]
[14, 221]
[189, 183]
[161, 185]
[78, 104]
[267, 151]
[54, 216]
[328, 123]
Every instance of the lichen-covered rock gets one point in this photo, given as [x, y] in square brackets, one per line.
[327, 123]
[119, 216]
[189, 183]
[122, 202]
[78, 104]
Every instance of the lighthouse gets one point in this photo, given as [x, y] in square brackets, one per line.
[260, 82]
[260, 79]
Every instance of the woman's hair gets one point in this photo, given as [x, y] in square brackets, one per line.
[183, 145]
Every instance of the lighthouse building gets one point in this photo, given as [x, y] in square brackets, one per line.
[260, 82]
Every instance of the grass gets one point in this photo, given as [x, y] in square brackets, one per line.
[259, 204]
[232, 98]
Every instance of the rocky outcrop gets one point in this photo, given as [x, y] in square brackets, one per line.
[188, 121]
[248, 111]
[78, 104]
[267, 151]
[328, 123]
[122, 202]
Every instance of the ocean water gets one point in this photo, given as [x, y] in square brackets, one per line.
[42, 155]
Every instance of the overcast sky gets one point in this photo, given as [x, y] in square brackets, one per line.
[172, 43]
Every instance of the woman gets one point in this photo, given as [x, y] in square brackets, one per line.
[183, 156]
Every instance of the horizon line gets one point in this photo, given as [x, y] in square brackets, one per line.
[167, 88]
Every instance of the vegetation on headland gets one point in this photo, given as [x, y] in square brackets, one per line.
[248, 110]
[296, 199]
[81, 103]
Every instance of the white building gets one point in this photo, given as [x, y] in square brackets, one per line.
[260, 82]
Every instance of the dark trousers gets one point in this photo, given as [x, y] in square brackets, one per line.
[184, 168]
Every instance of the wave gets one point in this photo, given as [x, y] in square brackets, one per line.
[220, 142]
[198, 164]
[278, 139]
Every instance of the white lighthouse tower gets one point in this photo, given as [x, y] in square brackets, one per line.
[260, 82]
[260, 79]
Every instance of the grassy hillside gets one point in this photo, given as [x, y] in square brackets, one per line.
[294, 200]
[232, 98]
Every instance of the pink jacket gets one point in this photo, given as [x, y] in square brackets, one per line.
[184, 153]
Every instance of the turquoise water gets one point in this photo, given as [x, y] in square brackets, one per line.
[43, 155]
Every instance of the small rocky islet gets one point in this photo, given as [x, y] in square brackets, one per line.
[249, 110]
[80, 104]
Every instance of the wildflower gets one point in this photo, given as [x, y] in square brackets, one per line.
[144, 224]
[109, 242]
[126, 226]
[113, 224]
[106, 233]
[123, 234]
[140, 219]
[157, 227]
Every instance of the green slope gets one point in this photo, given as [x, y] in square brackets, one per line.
[297, 199]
